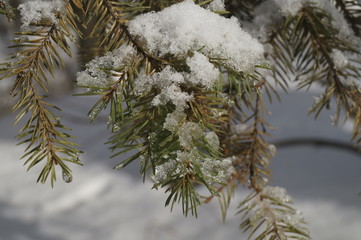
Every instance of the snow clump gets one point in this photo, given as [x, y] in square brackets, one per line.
[36, 10]
[213, 170]
[94, 74]
[262, 207]
[186, 27]
[339, 59]
[217, 6]
[202, 71]
[289, 7]
[168, 81]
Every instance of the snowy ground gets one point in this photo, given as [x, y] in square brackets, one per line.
[102, 203]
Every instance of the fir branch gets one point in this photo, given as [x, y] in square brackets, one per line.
[111, 21]
[315, 42]
[352, 13]
[267, 214]
[45, 135]
[248, 146]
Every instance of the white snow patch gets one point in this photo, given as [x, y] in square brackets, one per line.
[217, 6]
[186, 27]
[36, 10]
[339, 59]
[95, 73]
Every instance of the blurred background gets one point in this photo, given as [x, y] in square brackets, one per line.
[102, 203]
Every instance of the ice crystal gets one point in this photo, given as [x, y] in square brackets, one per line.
[185, 27]
[37, 10]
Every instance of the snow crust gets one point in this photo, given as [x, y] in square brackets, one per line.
[36, 10]
[187, 27]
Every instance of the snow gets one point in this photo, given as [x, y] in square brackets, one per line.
[267, 16]
[240, 128]
[95, 73]
[165, 170]
[339, 59]
[174, 94]
[217, 6]
[202, 71]
[36, 10]
[272, 148]
[278, 193]
[289, 7]
[212, 139]
[173, 120]
[168, 82]
[188, 133]
[338, 21]
[186, 27]
[263, 206]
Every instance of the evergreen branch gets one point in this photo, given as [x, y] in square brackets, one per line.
[120, 23]
[139, 128]
[315, 44]
[43, 132]
[352, 13]
[248, 146]
[112, 21]
[267, 214]
[74, 18]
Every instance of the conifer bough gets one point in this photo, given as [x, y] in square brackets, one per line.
[184, 86]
